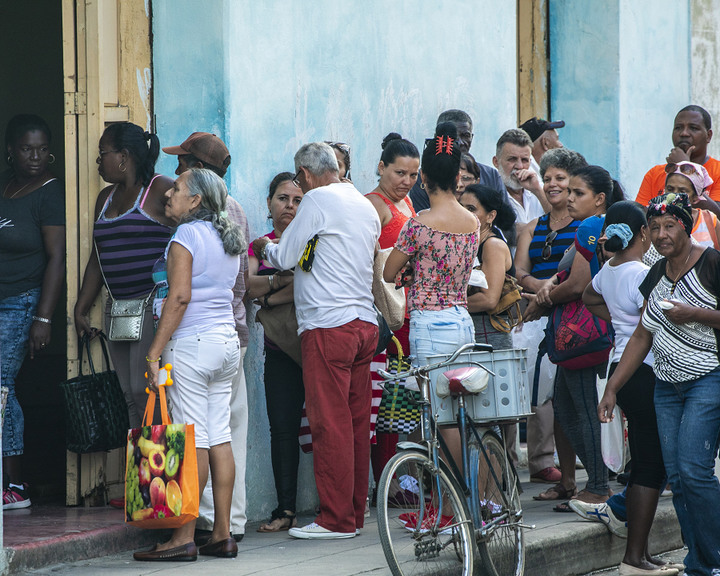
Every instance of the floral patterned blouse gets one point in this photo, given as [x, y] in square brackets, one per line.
[442, 263]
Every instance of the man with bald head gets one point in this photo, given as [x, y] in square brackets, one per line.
[691, 134]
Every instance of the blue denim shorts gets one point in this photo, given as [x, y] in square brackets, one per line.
[439, 332]
[16, 314]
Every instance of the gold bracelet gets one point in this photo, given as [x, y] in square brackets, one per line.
[156, 359]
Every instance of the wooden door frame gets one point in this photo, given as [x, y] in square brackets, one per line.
[107, 64]
[533, 64]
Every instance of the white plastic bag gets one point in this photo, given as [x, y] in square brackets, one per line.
[612, 434]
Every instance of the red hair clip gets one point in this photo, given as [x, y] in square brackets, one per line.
[443, 144]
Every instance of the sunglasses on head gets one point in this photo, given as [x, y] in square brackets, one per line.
[547, 249]
[684, 169]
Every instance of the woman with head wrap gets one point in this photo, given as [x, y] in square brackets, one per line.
[613, 296]
[681, 322]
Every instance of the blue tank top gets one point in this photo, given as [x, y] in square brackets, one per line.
[128, 247]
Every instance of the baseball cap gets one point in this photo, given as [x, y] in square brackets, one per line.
[536, 126]
[205, 147]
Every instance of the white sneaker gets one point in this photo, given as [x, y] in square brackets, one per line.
[314, 531]
[600, 513]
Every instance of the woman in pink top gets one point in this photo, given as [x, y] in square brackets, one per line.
[439, 245]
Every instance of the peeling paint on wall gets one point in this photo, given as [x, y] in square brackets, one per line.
[144, 84]
[705, 51]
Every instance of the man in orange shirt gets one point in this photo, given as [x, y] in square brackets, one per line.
[691, 134]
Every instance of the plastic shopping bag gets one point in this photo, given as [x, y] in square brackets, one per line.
[161, 479]
[612, 435]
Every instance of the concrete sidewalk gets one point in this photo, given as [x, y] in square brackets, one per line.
[561, 544]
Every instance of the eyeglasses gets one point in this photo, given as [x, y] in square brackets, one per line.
[547, 249]
[102, 153]
[684, 169]
[296, 178]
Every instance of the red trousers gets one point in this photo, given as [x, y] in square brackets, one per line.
[336, 372]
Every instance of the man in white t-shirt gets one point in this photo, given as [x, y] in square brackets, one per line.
[331, 243]
[524, 189]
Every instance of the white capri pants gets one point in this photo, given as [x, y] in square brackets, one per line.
[203, 367]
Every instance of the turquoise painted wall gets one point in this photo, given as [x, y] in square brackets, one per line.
[620, 71]
[268, 77]
[584, 78]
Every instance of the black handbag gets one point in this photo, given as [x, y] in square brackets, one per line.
[96, 413]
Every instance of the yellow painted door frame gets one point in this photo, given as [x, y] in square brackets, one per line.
[533, 59]
[107, 78]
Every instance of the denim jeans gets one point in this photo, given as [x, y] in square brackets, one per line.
[439, 332]
[16, 314]
[688, 415]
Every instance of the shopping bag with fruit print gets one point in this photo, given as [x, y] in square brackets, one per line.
[161, 479]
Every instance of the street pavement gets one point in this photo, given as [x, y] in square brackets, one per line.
[561, 544]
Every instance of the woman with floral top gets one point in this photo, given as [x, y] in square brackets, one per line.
[439, 246]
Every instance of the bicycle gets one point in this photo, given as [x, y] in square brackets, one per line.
[434, 518]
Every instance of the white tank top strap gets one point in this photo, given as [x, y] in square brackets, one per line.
[107, 202]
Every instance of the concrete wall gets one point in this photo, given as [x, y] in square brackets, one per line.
[619, 72]
[268, 77]
[705, 57]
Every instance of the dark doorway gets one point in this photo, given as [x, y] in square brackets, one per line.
[31, 41]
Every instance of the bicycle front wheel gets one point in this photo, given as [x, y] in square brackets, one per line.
[500, 541]
[423, 521]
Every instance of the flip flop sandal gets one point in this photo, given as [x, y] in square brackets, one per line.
[557, 492]
[562, 507]
[282, 527]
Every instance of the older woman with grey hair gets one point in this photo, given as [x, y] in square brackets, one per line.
[196, 334]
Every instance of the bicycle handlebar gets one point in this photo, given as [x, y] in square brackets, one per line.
[474, 346]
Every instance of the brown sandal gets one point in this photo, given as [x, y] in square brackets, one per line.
[557, 492]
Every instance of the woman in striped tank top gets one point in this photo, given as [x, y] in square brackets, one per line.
[131, 233]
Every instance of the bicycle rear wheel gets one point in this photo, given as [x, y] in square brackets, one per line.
[423, 521]
[501, 546]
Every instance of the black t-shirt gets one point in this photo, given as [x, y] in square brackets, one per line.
[22, 253]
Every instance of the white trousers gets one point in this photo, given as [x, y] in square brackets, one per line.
[238, 433]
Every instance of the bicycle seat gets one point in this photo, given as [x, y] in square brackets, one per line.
[462, 382]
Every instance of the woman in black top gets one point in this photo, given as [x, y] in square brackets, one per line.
[32, 258]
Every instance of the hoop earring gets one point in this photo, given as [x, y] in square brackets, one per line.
[122, 166]
[422, 185]
[52, 158]
[9, 159]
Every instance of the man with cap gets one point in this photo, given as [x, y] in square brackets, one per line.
[205, 150]
[488, 176]
[691, 134]
[544, 136]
